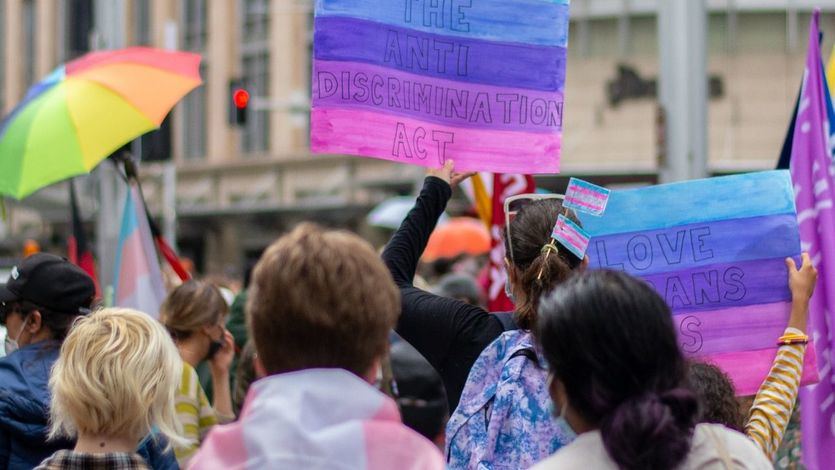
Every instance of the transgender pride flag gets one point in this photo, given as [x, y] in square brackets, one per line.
[138, 279]
[424, 81]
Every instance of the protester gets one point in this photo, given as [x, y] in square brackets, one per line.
[194, 314]
[619, 380]
[245, 374]
[498, 422]
[320, 307]
[43, 297]
[114, 381]
[462, 287]
[420, 392]
[772, 407]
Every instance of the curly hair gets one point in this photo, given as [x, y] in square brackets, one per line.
[717, 395]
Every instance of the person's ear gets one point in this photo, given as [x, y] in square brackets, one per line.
[556, 389]
[511, 271]
[260, 370]
[585, 263]
[35, 322]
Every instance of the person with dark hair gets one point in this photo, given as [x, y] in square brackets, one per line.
[770, 412]
[716, 394]
[619, 380]
[461, 287]
[43, 297]
[420, 392]
[494, 377]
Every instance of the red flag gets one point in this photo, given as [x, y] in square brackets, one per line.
[504, 186]
[77, 246]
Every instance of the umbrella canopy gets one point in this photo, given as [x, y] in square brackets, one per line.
[391, 212]
[461, 235]
[86, 109]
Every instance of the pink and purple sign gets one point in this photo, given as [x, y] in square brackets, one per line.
[715, 250]
[420, 82]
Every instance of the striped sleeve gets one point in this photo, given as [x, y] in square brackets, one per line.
[194, 413]
[772, 408]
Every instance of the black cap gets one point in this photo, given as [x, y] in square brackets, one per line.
[51, 282]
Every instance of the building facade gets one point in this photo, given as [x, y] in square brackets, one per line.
[238, 186]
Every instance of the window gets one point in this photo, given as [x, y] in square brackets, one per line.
[28, 42]
[2, 59]
[256, 72]
[141, 22]
[78, 26]
[193, 124]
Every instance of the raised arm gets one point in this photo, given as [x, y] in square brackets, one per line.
[775, 400]
[449, 333]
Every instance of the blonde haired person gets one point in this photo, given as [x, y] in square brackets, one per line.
[195, 314]
[114, 380]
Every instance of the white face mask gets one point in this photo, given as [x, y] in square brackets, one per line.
[12, 345]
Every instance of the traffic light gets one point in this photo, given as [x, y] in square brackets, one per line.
[239, 104]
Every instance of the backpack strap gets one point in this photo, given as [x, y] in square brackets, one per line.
[528, 353]
[506, 320]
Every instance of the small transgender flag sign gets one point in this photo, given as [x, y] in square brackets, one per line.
[571, 236]
[586, 197]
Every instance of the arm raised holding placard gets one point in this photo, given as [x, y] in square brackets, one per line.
[449, 333]
[773, 405]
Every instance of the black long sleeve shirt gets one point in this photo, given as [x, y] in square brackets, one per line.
[450, 334]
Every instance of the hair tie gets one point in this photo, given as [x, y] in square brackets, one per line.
[547, 249]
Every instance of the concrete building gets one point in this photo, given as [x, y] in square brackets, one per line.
[237, 187]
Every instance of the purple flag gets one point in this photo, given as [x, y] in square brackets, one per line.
[813, 188]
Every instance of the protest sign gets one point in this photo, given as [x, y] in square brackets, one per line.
[714, 249]
[423, 81]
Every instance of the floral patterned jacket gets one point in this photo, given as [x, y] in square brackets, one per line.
[504, 417]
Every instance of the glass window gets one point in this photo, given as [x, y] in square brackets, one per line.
[28, 42]
[78, 26]
[141, 22]
[193, 124]
[256, 72]
[2, 58]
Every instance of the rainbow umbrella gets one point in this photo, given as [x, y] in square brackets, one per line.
[86, 109]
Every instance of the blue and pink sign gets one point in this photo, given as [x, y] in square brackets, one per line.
[715, 250]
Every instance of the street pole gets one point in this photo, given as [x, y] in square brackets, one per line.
[109, 20]
[682, 40]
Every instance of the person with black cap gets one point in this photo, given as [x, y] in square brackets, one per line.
[38, 305]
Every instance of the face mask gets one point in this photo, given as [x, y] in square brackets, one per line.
[12, 345]
[562, 423]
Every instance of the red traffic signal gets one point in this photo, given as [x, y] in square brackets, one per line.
[241, 98]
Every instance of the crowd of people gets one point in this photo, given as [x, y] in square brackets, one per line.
[337, 359]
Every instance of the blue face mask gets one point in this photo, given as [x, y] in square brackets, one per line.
[507, 291]
[562, 423]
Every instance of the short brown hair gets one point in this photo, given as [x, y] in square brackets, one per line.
[190, 306]
[321, 298]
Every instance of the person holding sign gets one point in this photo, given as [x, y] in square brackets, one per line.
[619, 379]
[769, 415]
[497, 422]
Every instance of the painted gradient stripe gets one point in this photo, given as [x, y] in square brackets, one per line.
[691, 202]
[749, 368]
[490, 63]
[499, 119]
[732, 329]
[688, 290]
[679, 247]
[344, 131]
[525, 21]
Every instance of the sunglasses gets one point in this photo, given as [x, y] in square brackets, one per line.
[7, 308]
[513, 205]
